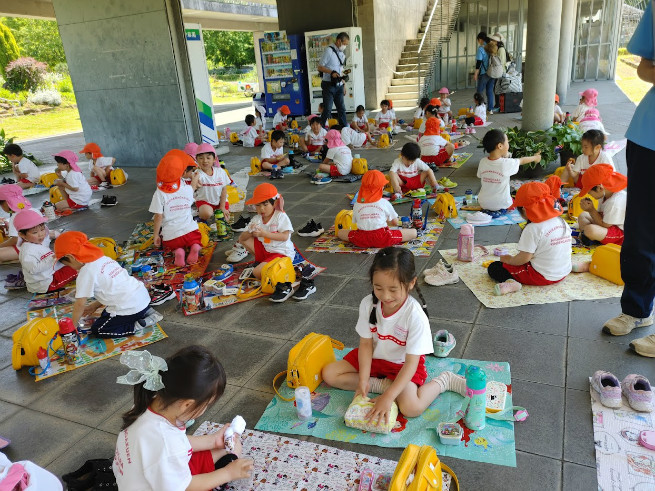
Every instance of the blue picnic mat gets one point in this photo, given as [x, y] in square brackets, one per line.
[508, 218]
[494, 444]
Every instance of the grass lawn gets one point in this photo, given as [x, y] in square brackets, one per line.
[217, 99]
[57, 122]
[629, 83]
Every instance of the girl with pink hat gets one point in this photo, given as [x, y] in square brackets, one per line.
[588, 100]
[73, 186]
[210, 187]
[592, 121]
[11, 201]
[339, 159]
[444, 109]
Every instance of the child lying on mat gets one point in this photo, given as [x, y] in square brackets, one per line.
[544, 256]
[395, 336]
[408, 172]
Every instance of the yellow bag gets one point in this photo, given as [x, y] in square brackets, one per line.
[204, 233]
[49, 179]
[463, 111]
[307, 360]
[559, 171]
[344, 221]
[234, 137]
[332, 122]
[294, 125]
[574, 205]
[424, 464]
[360, 166]
[28, 338]
[255, 166]
[445, 136]
[55, 195]
[371, 121]
[383, 142]
[294, 138]
[606, 263]
[219, 134]
[117, 177]
[417, 123]
[444, 205]
[108, 245]
[268, 135]
[279, 270]
[234, 195]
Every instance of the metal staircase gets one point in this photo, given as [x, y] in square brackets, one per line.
[418, 62]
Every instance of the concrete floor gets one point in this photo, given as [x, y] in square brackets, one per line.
[552, 349]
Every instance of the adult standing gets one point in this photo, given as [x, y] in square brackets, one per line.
[485, 84]
[638, 250]
[497, 39]
[334, 89]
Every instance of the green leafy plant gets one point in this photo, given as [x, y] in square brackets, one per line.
[526, 143]
[5, 165]
[567, 136]
[8, 47]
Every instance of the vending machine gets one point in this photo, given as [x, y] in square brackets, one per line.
[285, 81]
[316, 43]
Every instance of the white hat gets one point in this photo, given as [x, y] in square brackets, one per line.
[498, 37]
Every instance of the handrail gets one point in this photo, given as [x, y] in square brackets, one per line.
[427, 27]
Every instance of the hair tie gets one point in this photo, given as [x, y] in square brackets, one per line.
[145, 367]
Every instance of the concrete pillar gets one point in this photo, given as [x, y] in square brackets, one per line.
[544, 19]
[131, 75]
[567, 32]
[256, 36]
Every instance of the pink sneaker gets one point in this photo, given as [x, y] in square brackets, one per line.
[638, 392]
[609, 388]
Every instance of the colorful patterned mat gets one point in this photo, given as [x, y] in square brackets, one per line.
[494, 444]
[286, 463]
[460, 160]
[266, 173]
[422, 246]
[70, 211]
[576, 286]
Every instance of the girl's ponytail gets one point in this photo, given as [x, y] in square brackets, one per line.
[373, 318]
[142, 400]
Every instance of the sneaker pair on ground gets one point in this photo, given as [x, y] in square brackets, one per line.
[624, 324]
[444, 343]
[237, 254]
[15, 281]
[94, 474]
[441, 274]
[635, 388]
[161, 293]
[447, 183]
[108, 200]
[285, 290]
[277, 173]
[321, 178]
[311, 229]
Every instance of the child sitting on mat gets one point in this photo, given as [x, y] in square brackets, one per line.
[394, 337]
[260, 118]
[314, 137]
[435, 149]
[360, 121]
[544, 256]
[101, 167]
[250, 137]
[495, 171]
[339, 159]
[210, 186]
[171, 205]
[444, 109]
[373, 215]
[588, 100]
[273, 152]
[604, 225]
[280, 121]
[125, 298]
[592, 153]
[12, 201]
[40, 268]
[153, 450]
[479, 115]
[409, 172]
[419, 113]
[386, 117]
[26, 172]
[431, 111]
[74, 187]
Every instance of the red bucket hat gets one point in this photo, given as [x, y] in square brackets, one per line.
[93, 149]
[77, 245]
[432, 127]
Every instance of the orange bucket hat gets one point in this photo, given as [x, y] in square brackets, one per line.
[435, 101]
[93, 149]
[170, 169]
[372, 187]
[285, 110]
[603, 174]
[554, 183]
[432, 127]
[265, 192]
[537, 201]
[77, 245]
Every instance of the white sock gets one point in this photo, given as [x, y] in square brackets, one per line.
[452, 382]
[379, 385]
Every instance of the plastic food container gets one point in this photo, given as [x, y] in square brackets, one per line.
[450, 433]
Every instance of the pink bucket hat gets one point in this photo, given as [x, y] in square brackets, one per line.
[13, 195]
[70, 157]
[205, 148]
[590, 96]
[444, 90]
[27, 219]
[591, 115]
[191, 148]
[334, 139]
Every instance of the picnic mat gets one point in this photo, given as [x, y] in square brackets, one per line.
[39, 188]
[422, 246]
[494, 444]
[266, 173]
[576, 286]
[70, 211]
[621, 463]
[286, 463]
[405, 199]
[508, 218]
[460, 160]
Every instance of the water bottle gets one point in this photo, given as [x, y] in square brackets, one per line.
[227, 133]
[303, 403]
[42, 356]
[417, 214]
[469, 196]
[476, 390]
[70, 339]
[49, 211]
[221, 228]
[191, 293]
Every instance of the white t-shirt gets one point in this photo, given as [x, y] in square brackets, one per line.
[550, 244]
[176, 208]
[494, 174]
[373, 216]
[613, 208]
[419, 113]
[39, 264]
[152, 455]
[211, 186]
[582, 162]
[481, 112]
[558, 110]
[407, 332]
[11, 229]
[431, 144]
[104, 162]
[360, 121]
[26, 166]
[342, 158]
[268, 152]
[279, 222]
[580, 111]
[407, 172]
[248, 136]
[83, 194]
[387, 117]
[445, 106]
[312, 138]
[421, 130]
[279, 118]
[592, 125]
[260, 123]
[112, 286]
[352, 137]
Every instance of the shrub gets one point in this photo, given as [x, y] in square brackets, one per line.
[61, 68]
[49, 97]
[65, 85]
[24, 74]
[8, 47]
[51, 80]
[526, 143]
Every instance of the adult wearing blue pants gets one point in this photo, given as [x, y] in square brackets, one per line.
[334, 88]
[638, 250]
[485, 83]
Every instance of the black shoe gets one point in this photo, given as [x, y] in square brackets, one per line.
[311, 229]
[160, 294]
[305, 289]
[241, 225]
[7, 180]
[282, 292]
[109, 200]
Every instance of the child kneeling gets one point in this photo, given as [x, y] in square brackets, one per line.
[373, 215]
[409, 172]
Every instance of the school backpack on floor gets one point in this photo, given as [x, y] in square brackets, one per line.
[279, 270]
[360, 166]
[383, 142]
[49, 179]
[55, 195]
[28, 338]
[255, 166]
[108, 245]
[606, 263]
[344, 221]
[444, 206]
[419, 469]
[117, 177]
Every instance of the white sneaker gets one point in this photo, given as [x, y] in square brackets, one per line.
[441, 278]
[237, 256]
[624, 324]
[439, 267]
[235, 248]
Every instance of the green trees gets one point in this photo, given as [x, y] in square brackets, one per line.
[8, 47]
[229, 48]
[37, 39]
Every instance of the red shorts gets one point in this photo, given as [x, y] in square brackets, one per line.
[383, 125]
[578, 182]
[478, 122]
[614, 236]
[362, 127]
[527, 275]
[74, 206]
[186, 240]
[61, 277]
[381, 237]
[384, 368]
[214, 207]
[410, 183]
[201, 462]
[313, 148]
[26, 181]
[438, 159]
[262, 255]
[334, 171]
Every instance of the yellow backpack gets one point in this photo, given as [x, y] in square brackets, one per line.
[117, 177]
[204, 233]
[55, 195]
[606, 263]
[294, 125]
[279, 270]
[423, 463]
[417, 123]
[49, 179]
[332, 122]
[108, 245]
[255, 166]
[344, 221]
[268, 135]
[559, 171]
[383, 142]
[360, 166]
[307, 360]
[234, 195]
[28, 338]
[234, 137]
[444, 205]
[574, 205]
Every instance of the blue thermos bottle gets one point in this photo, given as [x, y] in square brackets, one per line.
[476, 390]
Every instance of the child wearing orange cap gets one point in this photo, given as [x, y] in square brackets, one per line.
[604, 225]
[101, 167]
[558, 116]
[431, 111]
[373, 216]
[386, 117]
[171, 205]
[280, 119]
[73, 186]
[409, 172]
[544, 256]
[434, 149]
[125, 298]
[210, 186]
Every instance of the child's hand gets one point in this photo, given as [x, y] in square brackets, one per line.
[240, 469]
[538, 157]
[586, 204]
[258, 232]
[505, 258]
[380, 412]
[156, 241]
[362, 390]
[219, 441]
[226, 212]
